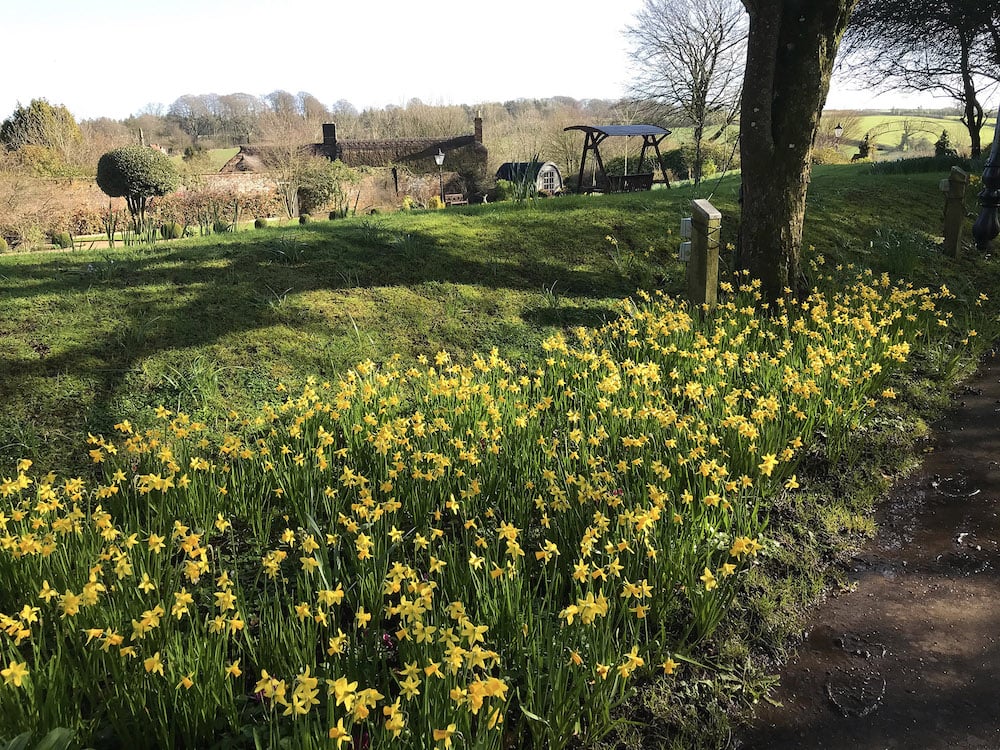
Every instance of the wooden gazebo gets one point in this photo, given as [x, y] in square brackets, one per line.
[594, 135]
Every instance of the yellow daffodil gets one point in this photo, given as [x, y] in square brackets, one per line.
[153, 664]
[14, 673]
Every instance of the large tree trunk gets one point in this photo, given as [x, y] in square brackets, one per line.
[790, 56]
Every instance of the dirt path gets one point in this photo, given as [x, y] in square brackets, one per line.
[911, 658]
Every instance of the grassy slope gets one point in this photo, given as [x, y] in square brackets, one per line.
[94, 336]
[91, 337]
[212, 160]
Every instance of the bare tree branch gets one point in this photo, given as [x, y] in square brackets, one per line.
[689, 57]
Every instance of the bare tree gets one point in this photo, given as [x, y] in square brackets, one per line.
[195, 115]
[239, 115]
[285, 137]
[849, 121]
[944, 46]
[282, 103]
[312, 108]
[690, 56]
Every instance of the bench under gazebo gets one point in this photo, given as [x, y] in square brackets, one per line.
[594, 135]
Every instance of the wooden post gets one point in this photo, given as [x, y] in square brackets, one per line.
[954, 212]
[703, 268]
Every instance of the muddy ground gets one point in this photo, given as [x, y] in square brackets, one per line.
[910, 658]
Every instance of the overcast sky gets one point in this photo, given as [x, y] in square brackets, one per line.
[112, 57]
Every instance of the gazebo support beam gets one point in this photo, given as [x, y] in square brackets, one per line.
[652, 136]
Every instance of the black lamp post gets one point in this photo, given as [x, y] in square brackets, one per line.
[837, 132]
[987, 226]
[439, 160]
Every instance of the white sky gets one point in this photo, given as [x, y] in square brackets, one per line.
[112, 57]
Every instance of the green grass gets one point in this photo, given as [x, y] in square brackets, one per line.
[97, 334]
[92, 335]
[211, 324]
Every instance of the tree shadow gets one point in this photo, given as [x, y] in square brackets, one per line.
[136, 304]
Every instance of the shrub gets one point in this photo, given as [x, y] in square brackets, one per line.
[85, 220]
[923, 164]
[323, 183]
[435, 203]
[617, 165]
[171, 230]
[4, 247]
[136, 173]
[304, 218]
[830, 156]
[221, 227]
[62, 239]
[943, 147]
[680, 161]
[260, 223]
[504, 191]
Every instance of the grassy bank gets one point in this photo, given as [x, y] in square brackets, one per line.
[705, 473]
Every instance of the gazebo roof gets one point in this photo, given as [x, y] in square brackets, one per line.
[609, 130]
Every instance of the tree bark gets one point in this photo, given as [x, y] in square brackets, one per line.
[790, 55]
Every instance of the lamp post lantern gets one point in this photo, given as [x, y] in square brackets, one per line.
[987, 226]
[439, 160]
[837, 132]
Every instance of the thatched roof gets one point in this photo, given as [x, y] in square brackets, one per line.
[256, 158]
[363, 153]
[380, 153]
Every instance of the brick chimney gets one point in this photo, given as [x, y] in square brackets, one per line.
[329, 134]
[478, 122]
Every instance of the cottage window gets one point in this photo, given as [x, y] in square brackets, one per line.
[549, 180]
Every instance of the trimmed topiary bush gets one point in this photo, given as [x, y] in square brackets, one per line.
[260, 223]
[172, 230]
[62, 239]
[305, 218]
[137, 174]
[4, 247]
[220, 227]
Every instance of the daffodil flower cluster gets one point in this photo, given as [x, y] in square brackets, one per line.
[438, 554]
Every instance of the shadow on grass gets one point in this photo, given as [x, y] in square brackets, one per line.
[94, 318]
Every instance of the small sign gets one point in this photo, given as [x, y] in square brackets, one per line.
[944, 185]
[686, 227]
[685, 252]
